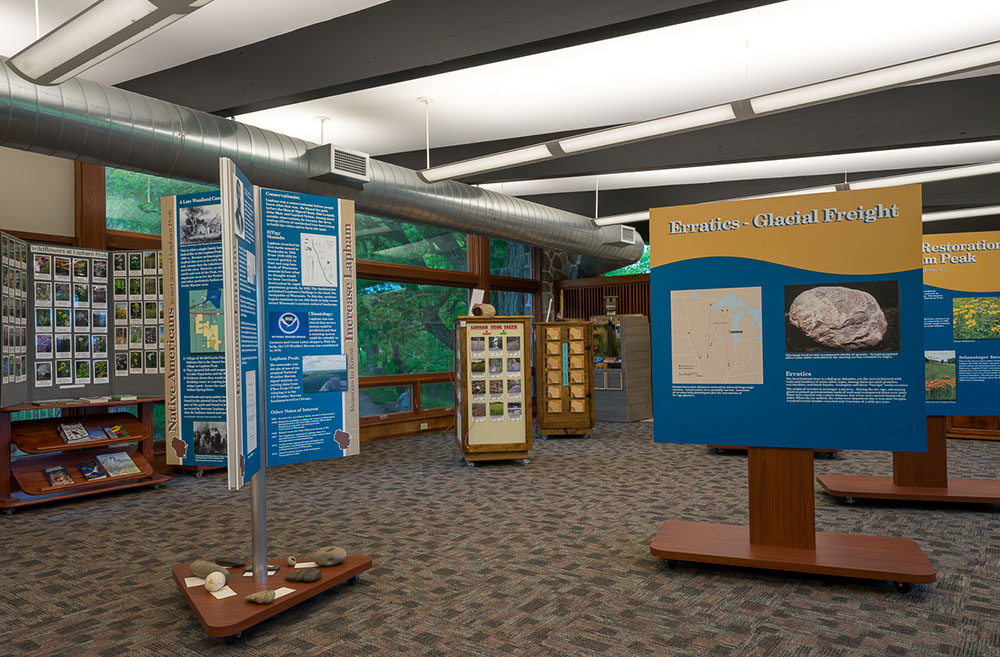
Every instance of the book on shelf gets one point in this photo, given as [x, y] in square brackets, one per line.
[73, 432]
[58, 475]
[118, 464]
[100, 399]
[56, 402]
[116, 431]
[124, 397]
[90, 470]
[96, 433]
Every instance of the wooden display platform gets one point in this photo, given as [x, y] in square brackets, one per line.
[474, 457]
[918, 476]
[782, 531]
[41, 436]
[28, 472]
[842, 555]
[565, 432]
[229, 616]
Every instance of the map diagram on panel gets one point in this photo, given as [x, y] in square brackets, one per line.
[716, 336]
[319, 260]
[206, 320]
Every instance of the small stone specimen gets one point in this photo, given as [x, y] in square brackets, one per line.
[261, 597]
[304, 575]
[330, 555]
[230, 562]
[839, 317]
[292, 561]
[203, 569]
[215, 581]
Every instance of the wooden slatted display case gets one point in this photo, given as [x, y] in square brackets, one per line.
[565, 386]
[493, 393]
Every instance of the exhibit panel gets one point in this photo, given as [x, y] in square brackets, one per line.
[564, 387]
[493, 395]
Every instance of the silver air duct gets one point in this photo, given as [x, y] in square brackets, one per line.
[83, 120]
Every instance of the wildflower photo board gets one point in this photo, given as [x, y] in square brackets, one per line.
[790, 322]
[962, 323]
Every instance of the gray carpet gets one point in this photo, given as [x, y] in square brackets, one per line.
[551, 558]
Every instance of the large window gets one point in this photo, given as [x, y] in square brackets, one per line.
[133, 199]
[511, 303]
[403, 243]
[405, 328]
[510, 259]
[639, 267]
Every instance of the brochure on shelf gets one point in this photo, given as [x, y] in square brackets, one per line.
[962, 323]
[790, 321]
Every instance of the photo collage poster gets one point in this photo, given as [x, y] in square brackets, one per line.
[497, 391]
[59, 323]
[15, 321]
[790, 321]
[136, 313]
[962, 323]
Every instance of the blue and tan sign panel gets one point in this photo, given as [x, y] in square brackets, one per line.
[790, 322]
[962, 323]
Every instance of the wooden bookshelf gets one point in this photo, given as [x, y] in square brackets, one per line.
[22, 482]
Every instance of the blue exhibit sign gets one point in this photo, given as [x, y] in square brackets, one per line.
[790, 322]
[308, 261]
[962, 323]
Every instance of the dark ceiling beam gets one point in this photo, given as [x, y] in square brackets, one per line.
[943, 112]
[404, 40]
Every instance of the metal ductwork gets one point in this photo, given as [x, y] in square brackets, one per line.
[87, 121]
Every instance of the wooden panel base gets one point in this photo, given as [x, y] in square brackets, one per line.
[473, 457]
[19, 498]
[737, 448]
[973, 491]
[226, 617]
[842, 555]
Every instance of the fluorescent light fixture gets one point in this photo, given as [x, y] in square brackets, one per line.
[629, 218]
[883, 78]
[825, 189]
[487, 163]
[648, 129]
[929, 176]
[101, 30]
[963, 213]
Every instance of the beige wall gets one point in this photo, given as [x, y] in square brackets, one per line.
[36, 193]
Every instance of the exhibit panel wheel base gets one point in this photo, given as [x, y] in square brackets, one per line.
[725, 449]
[229, 617]
[884, 558]
[472, 458]
[918, 476]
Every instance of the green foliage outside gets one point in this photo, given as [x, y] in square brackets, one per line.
[133, 199]
[639, 267]
[403, 243]
[939, 381]
[976, 318]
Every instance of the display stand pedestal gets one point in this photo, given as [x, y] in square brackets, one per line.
[230, 616]
[782, 532]
[921, 476]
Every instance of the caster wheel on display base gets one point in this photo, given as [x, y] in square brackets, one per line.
[525, 461]
[719, 450]
[8, 512]
[354, 580]
[231, 639]
[902, 587]
[199, 473]
[849, 500]
[470, 464]
[671, 563]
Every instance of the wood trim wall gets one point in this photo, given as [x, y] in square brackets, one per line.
[584, 298]
[89, 205]
[119, 239]
[66, 240]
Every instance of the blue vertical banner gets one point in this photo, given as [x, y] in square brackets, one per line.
[241, 278]
[310, 344]
[962, 323]
[790, 322]
[195, 387]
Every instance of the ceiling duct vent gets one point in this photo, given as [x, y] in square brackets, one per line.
[625, 236]
[335, 164]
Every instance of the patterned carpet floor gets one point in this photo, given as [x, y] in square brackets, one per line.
[551, 558]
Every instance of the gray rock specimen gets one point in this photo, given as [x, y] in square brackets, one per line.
[304, 575]
[330, 555]
[215, 581]
[261, 597]
[292, 561]
[839, 317]
[230, 562]
[203, 569]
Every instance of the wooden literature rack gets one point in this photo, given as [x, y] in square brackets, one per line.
[919, 476]
[22, 482]
[782, 532]
[564, 356]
